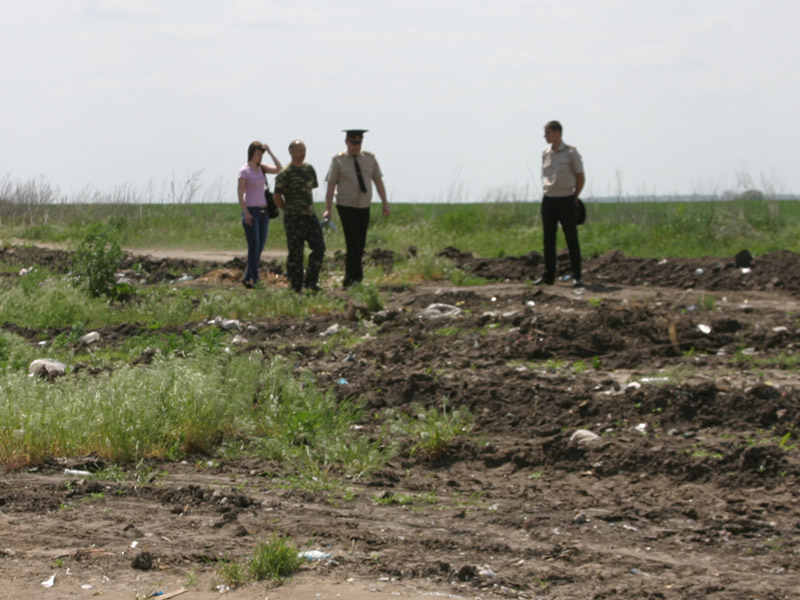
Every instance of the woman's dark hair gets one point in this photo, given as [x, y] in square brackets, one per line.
[251, 149]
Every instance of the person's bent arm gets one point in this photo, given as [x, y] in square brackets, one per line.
[580, 181]
[248, 218]
[382, 193]
[277, 167]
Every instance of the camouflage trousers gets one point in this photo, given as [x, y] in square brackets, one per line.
[299, 230]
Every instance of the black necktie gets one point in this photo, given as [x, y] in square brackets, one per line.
[361, 183]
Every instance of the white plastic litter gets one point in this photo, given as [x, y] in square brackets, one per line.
[437, 310]
[76, 472]
[704, 328]
[313, 555]
[46, 366]
[50, 582]
[89, 338]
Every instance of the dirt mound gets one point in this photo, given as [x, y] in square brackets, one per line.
[685, 486]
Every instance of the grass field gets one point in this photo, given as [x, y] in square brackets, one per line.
[176, 408]
[647, 229]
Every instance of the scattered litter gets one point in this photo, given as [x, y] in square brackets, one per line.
[222, 588]
[663, 261]
[494, 298]
[332, 330]
[89, 338]
[25, 270]
[87, 586]
[635, 571]
[654, 379]
[634, 385]
[641, 428]
[530, 303]
[76, 472]
[580, 518]
[50, 582]
[699, 271]
[184, 278]
[238, 340]
[704, 328]
[584, 437]
[749, 351]
[441, 310]
[565, 277]
[746, 270]
[486, 572]
[134, 544]
[342, 381]
[691, 308]
[252, 329]
[780, 329]
[46, 367]
[314, 555]
[630, 527]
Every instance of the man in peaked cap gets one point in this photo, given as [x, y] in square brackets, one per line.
[350, 178]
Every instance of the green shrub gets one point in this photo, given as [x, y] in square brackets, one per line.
[96, 260]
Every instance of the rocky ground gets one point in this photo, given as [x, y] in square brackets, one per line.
[683, 369]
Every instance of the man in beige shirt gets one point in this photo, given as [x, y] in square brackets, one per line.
[562, 181]
[350, 178]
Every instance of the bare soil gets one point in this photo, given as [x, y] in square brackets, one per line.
[683, 368]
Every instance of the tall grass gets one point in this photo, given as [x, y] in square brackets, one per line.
[179, 406]
[645, 229]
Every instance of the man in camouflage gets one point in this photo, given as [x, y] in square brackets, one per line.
[293, 193]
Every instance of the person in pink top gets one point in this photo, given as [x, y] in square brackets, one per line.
[255, 220]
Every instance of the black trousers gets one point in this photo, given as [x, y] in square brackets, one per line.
[355, 222]
[554, 211]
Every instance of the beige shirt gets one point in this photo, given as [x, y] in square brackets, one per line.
[559, 168]
[342, 172]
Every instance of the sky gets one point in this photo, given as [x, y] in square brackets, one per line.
[157, 97]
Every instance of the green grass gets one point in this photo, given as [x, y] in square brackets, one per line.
[646, 229]
[273, 560]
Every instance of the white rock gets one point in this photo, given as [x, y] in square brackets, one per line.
[238, 340]
[584, 437]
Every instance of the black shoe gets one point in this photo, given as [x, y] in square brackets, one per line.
[577, 283]
[248, 283]
[543, 281]
[313, 287]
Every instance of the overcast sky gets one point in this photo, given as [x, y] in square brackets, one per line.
[659, 96]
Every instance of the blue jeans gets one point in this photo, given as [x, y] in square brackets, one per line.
[256, 235]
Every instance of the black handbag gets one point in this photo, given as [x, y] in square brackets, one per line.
[580, 212]
[272, 208]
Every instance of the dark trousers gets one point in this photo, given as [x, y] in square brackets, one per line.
[256, 235]
[554, 211]
[299, 230]
[355, 222]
